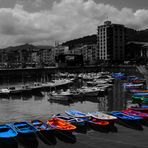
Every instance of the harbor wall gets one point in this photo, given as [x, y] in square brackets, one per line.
[53, 70]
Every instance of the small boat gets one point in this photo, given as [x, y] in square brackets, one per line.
[63, 95]
[72, 120]
[61, 124]
[139, 91]
[24, 127]
[36, 86]
[90, 91]
[76, 113]
[125, 117]
[141, 108]
[141, 94]
[132, 86]
[6, 131]
[96, 122]
[119, 75]
[139, 99]
[135, 113]
[4, 91]
[139, 81]
[102, 116]
[41, 126]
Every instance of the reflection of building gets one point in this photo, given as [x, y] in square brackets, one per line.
[118, 99]
[111, 41]
[103, 103]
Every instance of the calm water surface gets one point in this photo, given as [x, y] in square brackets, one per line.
[38, 106]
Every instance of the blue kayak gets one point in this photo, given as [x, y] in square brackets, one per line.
[75, 113]
[41, 126]
[123, 116]
[141, 94]
[72, 120]
[23, 127]
[6, 131]
[119, 76]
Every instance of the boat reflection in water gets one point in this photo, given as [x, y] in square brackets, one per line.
[28, 141]
[8, 143]
[47, 138]
[66, 137]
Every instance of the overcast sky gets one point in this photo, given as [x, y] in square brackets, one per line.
[46, 21]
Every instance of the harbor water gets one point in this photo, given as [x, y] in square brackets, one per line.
[37, 105]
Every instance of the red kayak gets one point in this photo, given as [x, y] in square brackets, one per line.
[140, 109]
[135, 113]
[97, 122]
[139, 91]
[61, 124]
[138, 81]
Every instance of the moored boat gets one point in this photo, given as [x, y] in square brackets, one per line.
[6, 131]
[132, 86]
[135, 113]
[41, 126]
[90, 91]
[141, 94]
[140, 108]
[23, 127]
[4, 91]
[72, 120]
[125, 117]
[98, 123]
[139, 99]
[139, 91]
[63, 95]
[76, 113]
[103, 116]
[60, 124]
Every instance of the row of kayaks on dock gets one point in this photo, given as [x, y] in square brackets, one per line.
[71, 119]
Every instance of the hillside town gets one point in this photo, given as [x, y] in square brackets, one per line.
[113, 45]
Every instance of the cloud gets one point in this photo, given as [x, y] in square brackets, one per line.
[65, 20]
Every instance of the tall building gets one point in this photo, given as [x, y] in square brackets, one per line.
[111, 42]
[89, 53]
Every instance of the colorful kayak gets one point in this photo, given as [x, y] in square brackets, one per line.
[72, 120]
[141, 94]
[139, 90]
[138, 81]
[61, 124]
[23, 127]
[41, 126]
[102, 116]
[139, 99]
[6, 131]
[126, 117]
[141, 109]
[135, 113]
[75, 113]
[97, 122]
[132, 85]
[119, 75]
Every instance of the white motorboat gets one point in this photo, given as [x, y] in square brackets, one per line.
[102, 116]
[90, 91]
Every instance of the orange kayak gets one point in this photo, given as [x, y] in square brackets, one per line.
[61, 124]
[99, 122]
